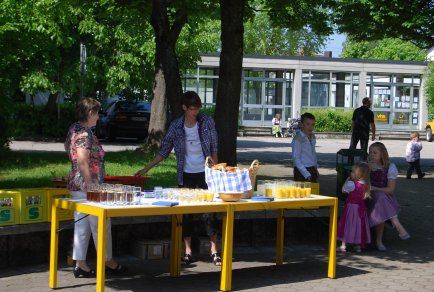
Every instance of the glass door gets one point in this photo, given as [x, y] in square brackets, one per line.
[262, 99]
[252, 103]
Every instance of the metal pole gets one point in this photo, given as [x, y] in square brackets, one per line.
[82, 67]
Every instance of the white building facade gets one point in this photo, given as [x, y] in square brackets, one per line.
[293, 85]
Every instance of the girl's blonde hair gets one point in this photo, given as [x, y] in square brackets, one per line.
[384, 155]
[362, 172]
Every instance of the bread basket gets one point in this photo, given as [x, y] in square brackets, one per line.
[253, 170]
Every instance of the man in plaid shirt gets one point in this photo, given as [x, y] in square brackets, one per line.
[193, 137]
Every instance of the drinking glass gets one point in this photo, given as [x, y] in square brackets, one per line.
[269, 189]
[158, 192]
[209, 196]
[308, 188]
[129, 195]
[90, 192]
[260, 188]
[137, 195]
[103, 194]
[119, 194]
[111, 199]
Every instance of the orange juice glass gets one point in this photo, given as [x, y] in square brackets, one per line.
[209, 196]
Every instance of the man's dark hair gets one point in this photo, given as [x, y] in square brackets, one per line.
[366, 101]
[190, 98]
[307, 116]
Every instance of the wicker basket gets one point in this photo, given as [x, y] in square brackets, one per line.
[253, 170]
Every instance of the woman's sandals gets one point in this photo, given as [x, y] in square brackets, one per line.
[216, 259]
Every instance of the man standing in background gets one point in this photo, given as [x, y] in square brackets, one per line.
[362, 121]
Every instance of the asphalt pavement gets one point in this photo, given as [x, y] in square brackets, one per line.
[406, 266]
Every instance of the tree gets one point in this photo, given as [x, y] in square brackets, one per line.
[38, 38]
[429, 87]
[261, 37]
[311, 15]
[229, 86]
[167, 81]
[386, 49]
[378, 19]
[168, 18]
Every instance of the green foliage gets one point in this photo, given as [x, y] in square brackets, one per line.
[264, 37]
[28, 169]
[33, 121]
[313, 15]
[429, 87]
[385, 49]
[200, 35]
[209, 111]
[37, 81]
[376, 20]
[332, 120]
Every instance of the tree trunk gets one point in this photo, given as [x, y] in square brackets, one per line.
[229, 86]
[51, 105]
[167, 88]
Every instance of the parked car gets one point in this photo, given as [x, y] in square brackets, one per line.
[124, 118]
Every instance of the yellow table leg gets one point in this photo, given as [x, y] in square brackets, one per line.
[175, 246]
[228, 233]
[280, 236]
[333, 226]
[54, 246]
[100, 259]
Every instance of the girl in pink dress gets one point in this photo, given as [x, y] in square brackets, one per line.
[383, 205]
[353, 224]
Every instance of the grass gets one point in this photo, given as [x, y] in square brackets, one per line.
[31, 169]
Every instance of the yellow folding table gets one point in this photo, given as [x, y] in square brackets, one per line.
[314, 201]
[228, 209]
[104, 211]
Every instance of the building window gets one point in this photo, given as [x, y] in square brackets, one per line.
[329, 89]
[266, 92]
[204, 81]
[395, 99]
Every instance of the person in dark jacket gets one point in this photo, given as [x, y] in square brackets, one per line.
[362, 122]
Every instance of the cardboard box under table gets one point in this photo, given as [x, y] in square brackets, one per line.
[9, 207]
[150, 249]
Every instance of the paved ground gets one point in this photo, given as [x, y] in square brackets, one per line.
[406, 266]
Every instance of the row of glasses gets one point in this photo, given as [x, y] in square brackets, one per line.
[114, 194]
[194, 196]
[120, 195]
[284, 189]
